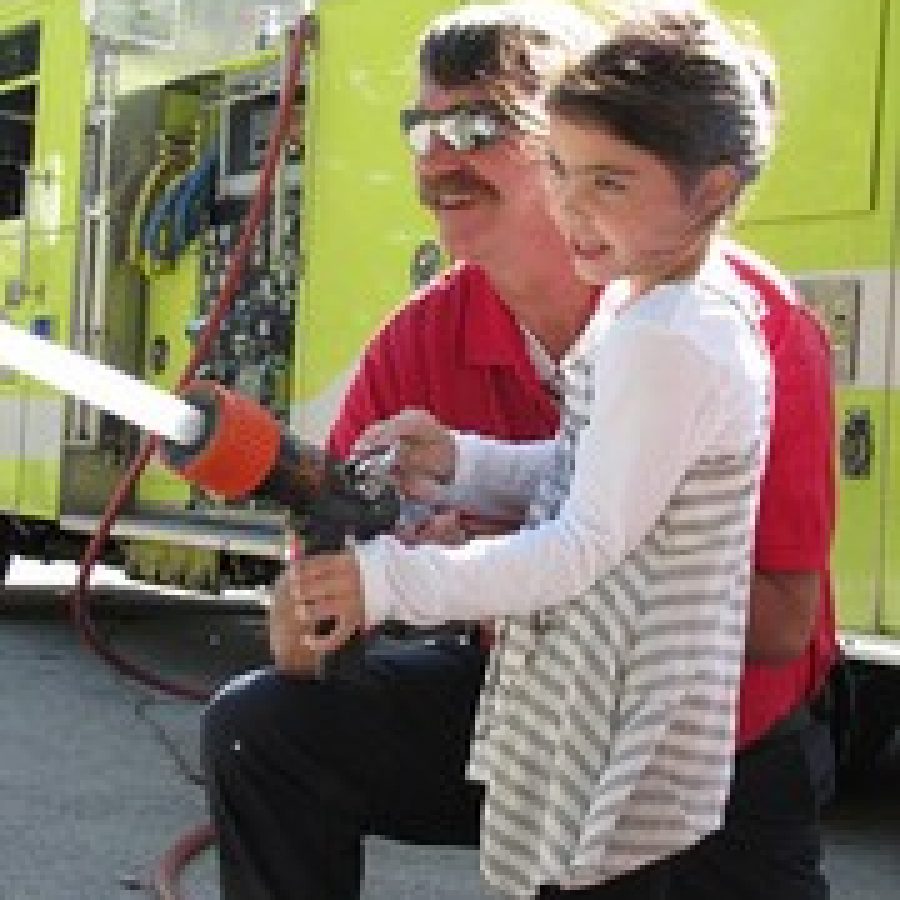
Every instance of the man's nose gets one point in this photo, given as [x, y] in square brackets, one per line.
[439, 156]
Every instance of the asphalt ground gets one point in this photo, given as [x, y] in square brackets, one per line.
[99, 775]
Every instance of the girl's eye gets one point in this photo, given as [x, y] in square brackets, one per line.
[608, 183]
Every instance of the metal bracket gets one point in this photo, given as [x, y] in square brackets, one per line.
[871, 648]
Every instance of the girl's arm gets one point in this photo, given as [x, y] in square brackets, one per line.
[495, 477]
[659, 402]
[434, 463]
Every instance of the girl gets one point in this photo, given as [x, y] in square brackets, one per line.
[605, 733]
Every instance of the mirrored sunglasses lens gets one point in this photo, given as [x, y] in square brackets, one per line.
[419, 137]
[462, 131]
[483, 129]
[454, 132]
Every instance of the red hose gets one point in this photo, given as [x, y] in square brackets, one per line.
[193, 842]
[79, 607]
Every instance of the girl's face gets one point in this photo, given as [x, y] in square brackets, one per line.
[623, 211]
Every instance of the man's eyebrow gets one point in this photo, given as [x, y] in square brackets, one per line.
[417, 113]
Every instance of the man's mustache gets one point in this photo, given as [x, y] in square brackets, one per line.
[461, 182]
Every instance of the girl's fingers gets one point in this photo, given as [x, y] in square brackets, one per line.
[404, 425]
[412, 433]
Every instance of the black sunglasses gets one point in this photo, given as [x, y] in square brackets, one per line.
[462, 127]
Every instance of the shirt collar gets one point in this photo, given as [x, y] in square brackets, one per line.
[491, 335]
[609, 302]
[715, 273]
[720, 276]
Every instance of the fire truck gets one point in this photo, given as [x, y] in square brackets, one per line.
[132, 133]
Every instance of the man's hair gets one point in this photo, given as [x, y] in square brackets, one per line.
[515, 43]
[675, 81]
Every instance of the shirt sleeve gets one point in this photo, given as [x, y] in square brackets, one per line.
[796, 508]
[660, 404]
[376, 392]
[495, 477]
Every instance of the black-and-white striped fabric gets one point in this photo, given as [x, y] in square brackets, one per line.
[605, 734]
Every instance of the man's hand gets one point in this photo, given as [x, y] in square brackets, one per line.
[316, 607]
[443, 527]
[451, 527]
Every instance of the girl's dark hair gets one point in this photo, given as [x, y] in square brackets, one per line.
[679, 84]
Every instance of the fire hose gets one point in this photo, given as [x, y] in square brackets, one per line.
[193, 842]
[224, 444]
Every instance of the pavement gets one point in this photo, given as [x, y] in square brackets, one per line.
[98, 775]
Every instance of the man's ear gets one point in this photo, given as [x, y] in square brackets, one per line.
[715, 193]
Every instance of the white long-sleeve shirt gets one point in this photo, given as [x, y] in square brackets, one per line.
[606, 728]
[673, 378]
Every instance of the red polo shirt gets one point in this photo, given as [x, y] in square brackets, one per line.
[456, 350]
[797, 499]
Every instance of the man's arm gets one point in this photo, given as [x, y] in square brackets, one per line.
[782, 615]
[795, 522]
[376, 392]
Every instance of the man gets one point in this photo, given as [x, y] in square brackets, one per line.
[300, 770]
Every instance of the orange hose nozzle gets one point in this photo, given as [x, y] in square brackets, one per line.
[240, 449]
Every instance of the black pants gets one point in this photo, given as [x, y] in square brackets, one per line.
[769, 847]
[648, 883]
[300, 771]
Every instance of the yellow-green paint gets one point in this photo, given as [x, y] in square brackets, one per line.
[840, 68]
[39, 488]
[858, 558]
[829, 204]
[10, 390]
[826, 64]
[890, 623]
[9, 477]
[363, 219]
[57, 152]
[826, 204]
[140, 71]
[170, 306]
[18, 83]
[157, 563]
[829, 55]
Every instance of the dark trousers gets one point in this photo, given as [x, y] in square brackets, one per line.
[300, 771]
[769, 847]
[648, 883]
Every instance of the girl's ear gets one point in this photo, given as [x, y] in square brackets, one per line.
[714, 194]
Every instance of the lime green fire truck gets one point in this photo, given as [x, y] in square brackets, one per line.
[131, 137]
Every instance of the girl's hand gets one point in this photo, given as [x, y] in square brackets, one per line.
[316, 607]
[424, 451]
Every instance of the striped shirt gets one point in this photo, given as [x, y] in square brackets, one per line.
[606, 729]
